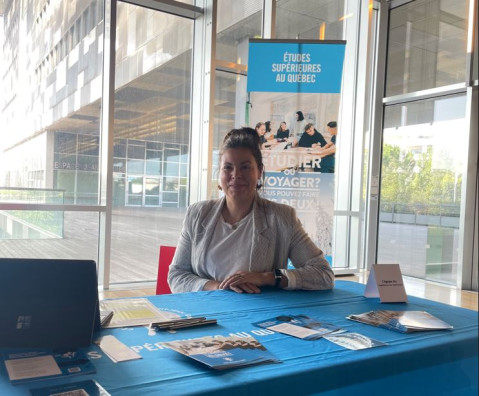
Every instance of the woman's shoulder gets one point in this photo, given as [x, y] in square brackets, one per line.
[202, 208]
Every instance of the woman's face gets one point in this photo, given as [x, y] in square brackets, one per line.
[239, 175]
[283, 126]
[261, 130]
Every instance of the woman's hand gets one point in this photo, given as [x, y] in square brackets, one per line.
[247, 282]
[211, 285]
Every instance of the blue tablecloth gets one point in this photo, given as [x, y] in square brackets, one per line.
[423, 363]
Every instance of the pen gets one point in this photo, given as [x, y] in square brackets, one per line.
[193, 324]
[178, 321]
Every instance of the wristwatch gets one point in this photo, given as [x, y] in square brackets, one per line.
[278, 275]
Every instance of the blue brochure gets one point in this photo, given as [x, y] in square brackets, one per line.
[300, 326]
[224, 352]
[89, 387]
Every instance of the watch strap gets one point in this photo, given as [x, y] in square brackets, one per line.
[278, 275]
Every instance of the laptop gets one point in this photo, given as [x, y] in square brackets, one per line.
[47, 303]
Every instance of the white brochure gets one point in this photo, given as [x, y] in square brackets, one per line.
[116, 350]
[33, 367]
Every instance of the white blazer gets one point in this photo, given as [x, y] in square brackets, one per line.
[277, 236]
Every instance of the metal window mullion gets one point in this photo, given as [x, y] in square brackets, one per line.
[472, 18]
[425, 94]
[202, 102]
[269, 19]
[106, 143]
[375, 147]
[465, 258]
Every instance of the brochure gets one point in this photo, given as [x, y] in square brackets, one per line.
[116, 350]
[402, 321]
[83, 388]
[132, 312]
[25, 367]
[353, 341]
[222, 353]
[300, 326]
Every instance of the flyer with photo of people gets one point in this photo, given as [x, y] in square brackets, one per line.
[295, 92]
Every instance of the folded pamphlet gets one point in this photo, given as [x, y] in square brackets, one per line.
[402, 321]
[222, 353]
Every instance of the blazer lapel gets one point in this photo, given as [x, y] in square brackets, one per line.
[262, 236]
[206, 229]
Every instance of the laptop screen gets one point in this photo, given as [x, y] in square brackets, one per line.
[47, 303]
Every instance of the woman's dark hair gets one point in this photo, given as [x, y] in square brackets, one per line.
[300, 115]
[267, 125]
[332, 124]
[246, 138]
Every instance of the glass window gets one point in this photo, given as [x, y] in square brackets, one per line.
[238, 21]
[152, 105]
[426, 45]
[153, 167]
[136, 166]
[317, 20]
[424, 146]
[41, 234]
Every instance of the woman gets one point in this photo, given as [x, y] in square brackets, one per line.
[269, 130]
[242, 242]
[299, 124]
[261, 130]
[282, 132]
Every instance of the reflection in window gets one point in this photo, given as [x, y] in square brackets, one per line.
[424, 146]
[238, 21]
[426, 45]
[316, 20]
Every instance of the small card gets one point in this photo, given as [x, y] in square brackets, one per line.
[385, 281]
[33, 367]
[353, 341]
[295, 331]
[116, 350]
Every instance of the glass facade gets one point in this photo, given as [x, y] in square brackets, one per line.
[426, 48]
[52, 143]
[422, 168]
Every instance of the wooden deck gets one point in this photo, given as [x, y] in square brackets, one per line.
[137, 234]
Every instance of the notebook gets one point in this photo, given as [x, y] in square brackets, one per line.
[47, 303]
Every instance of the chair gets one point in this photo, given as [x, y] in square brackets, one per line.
[164, 260]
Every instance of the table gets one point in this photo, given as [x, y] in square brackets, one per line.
[423, 363]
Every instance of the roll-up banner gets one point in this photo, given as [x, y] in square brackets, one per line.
[294, 88]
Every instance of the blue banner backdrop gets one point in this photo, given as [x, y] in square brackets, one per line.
[306, 67]
[285, 76]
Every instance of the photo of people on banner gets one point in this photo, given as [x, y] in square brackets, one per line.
[295, 92]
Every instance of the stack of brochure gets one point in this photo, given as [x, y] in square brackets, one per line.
[223, 352]
[402, 321]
